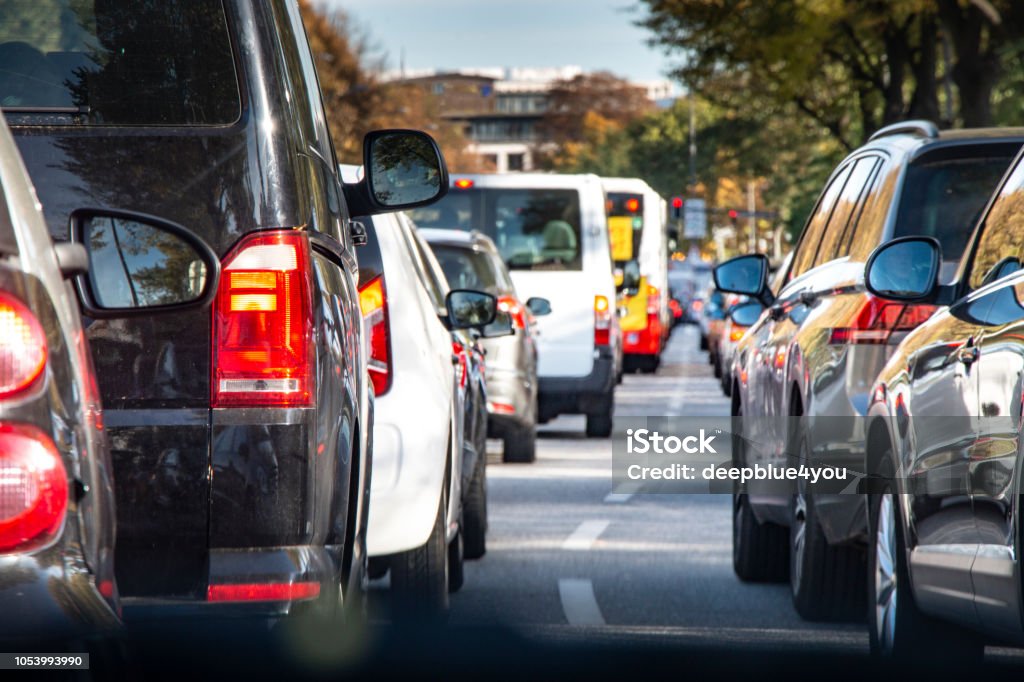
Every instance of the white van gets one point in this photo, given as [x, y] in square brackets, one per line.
[552, 233]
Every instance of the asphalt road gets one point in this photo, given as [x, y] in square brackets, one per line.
[569, 559]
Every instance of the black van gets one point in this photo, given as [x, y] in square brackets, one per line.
[239, 429]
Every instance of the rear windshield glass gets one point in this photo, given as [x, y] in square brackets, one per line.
[117, 62]
[625, 225]
[466, 269]
[944, 199]
[534, 229]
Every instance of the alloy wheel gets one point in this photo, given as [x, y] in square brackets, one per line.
[885, 576]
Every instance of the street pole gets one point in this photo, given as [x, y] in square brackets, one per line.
[693, 146]
[751, 210]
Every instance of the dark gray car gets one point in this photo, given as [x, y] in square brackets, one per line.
[470, 260]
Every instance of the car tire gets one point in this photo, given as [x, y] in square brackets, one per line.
[717, 366]
[898, 629]
[520, 445]
[474, 512]
[456, 563]
[826, 581]
[703, 342]
[759, 550]
[419, 577]
[599, 421]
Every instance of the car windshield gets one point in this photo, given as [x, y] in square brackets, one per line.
[117, 62]
[534, 229]
[465, 268]
[944, 199]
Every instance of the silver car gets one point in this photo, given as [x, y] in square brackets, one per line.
[470, 260]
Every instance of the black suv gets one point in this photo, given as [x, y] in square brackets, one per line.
[803, 374]
[238, 429]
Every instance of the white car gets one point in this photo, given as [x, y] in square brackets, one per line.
[415, 520]
[552, 232]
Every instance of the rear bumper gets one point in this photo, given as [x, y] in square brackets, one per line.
[643, 341]
[509, 401]
[575, 395]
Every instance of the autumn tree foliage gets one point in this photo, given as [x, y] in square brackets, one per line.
[358, 101]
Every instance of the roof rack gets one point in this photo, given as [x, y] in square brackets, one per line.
[919, 127]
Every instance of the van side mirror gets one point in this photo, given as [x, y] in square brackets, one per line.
[140, 265]
[904, 269]
[744, 275]
[403, 169]
[630, 278]
[746, 314]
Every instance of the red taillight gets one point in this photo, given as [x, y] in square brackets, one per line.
[22, 347]
[632, 205]
[653, 300]
[462, 362]
[463, 183]
[33, 488]
[496, 407]
[515, 310]
[263, 324]
[602, 321]
[263, 592]
[736, 333]
[878, 319]
[373, 301]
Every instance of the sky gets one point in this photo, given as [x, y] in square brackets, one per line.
[448, 34]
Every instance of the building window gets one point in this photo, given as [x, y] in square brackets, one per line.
[516, 162]
[438, 88]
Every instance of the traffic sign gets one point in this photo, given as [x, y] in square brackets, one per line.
[695, 219]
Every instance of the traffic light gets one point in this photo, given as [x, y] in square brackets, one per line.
[734, 216]
[677, 208]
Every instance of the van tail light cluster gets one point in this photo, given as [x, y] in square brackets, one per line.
[250, 592]
[33, 488]
[461, 359]
[373, 301]
[515, 309]
[602, 321]
[263, 324]
[653, 300]
[878, 319]
[23, 349]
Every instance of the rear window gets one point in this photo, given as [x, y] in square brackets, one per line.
[944, 199]
[466, 269]
[534, 229]
[117, 62]
[625, 225]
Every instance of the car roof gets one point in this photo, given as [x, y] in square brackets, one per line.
[529, 180]
[912, 142]
[626, 185]
[439, 235]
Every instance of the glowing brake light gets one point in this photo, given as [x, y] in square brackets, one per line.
[878, 319]
[244, 592]
[514, 309]
[373, 302]
[22, 347]
[33, 488]
[653, 300]
[736, 333]
[602, 321]
[632, 205]
[463, 183]
[263, 324]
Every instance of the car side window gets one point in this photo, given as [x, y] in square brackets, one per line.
[434, 289]
[814, 232]
[869, 226]
[1002, 232]
[834, 243]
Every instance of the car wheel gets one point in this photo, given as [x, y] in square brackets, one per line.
[474, 512]
[717, 366]
[520, 445]
[599, 422]
[703, 342]
[898, 629]
[419, 577]
[827, 581]
[758, 549]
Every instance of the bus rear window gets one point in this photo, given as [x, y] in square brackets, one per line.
[117, 62]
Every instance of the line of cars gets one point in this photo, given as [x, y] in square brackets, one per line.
[238, 379]
[889, 344]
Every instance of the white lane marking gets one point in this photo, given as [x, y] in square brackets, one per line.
[617, 498]
[578, 602]
[585, 535]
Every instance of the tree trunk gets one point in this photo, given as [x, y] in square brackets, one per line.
[925, 101]
[976, 69]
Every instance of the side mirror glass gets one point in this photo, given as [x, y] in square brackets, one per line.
[468, 308]
[746, 314]
[745, 275]
[139, 264]
[1006, 266]
[630, 277]
[539, 306]
[501, 326]
[905, 269]
[404, 169]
